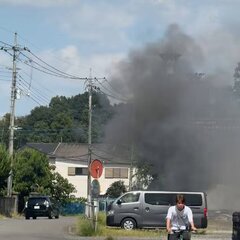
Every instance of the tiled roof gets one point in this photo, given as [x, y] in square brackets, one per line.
[79, 151]
[47, 148]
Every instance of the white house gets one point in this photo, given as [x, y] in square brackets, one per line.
[71, 161]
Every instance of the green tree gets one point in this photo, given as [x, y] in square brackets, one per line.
[142, 177]
[4, 129]
[66, 119]
[116, 189]
[33, 173]
[60, 188]
[5, 166]
[30, 169]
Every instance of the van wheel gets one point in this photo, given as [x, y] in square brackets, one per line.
[128, 224]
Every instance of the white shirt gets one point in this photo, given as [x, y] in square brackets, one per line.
[179, 219]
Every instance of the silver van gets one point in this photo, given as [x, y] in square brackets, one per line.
[148, 209]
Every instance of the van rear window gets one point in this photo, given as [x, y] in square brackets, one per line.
[193, 199]
[169, 199]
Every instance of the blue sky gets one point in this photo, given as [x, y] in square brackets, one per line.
[76, 35]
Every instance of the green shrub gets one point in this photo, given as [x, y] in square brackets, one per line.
[85, 228]
[101, 219]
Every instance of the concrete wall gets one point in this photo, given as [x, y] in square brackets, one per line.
[8, 205]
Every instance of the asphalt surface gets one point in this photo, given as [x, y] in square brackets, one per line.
[220, 227]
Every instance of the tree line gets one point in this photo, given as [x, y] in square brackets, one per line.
[64, 120]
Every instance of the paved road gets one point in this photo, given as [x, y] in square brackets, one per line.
[59, 229]
[214, 236]
[39, 229]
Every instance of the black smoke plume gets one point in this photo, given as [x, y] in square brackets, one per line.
[182, 123]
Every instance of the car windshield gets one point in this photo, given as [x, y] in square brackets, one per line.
[34, 201]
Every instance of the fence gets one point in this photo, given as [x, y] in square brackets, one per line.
[8, 205]
[79, 208]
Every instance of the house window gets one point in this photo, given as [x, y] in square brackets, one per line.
[72, 171]
[116, 172]
[81, 171]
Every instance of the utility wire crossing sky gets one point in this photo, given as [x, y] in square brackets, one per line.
[74, 36]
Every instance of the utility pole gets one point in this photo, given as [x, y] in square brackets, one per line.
[91, 213]
[15, 49]
[90, 88]
[12, 116]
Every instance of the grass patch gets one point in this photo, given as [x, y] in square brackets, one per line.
[85, 228]
[16, 215]
[13, 215]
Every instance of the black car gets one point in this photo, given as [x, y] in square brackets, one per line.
[41, 206]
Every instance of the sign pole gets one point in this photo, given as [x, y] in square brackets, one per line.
[96, 169]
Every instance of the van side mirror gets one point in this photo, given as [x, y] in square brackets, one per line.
[119, 201]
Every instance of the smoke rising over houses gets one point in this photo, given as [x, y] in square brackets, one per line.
[183, 124]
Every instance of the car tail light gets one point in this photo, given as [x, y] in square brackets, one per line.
[205, 212]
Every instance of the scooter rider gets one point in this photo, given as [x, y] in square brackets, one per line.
[179, 220]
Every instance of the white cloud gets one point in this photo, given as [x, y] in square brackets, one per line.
[69, 60]
[97, 34]
[41, 3]
[102, 24]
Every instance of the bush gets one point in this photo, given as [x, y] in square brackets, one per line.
[85, 228]
[101, 219]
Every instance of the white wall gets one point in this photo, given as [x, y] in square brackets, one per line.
[80, 182]
[106, 182]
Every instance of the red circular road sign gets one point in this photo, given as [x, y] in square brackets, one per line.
[96, 168]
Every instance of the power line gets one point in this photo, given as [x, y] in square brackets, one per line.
[109, 90]
[5, 44]
[111, 94]
[34, 90]
[34, 96]
[52, 54]
[43, 71]
[65, 74]
[38, 83]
